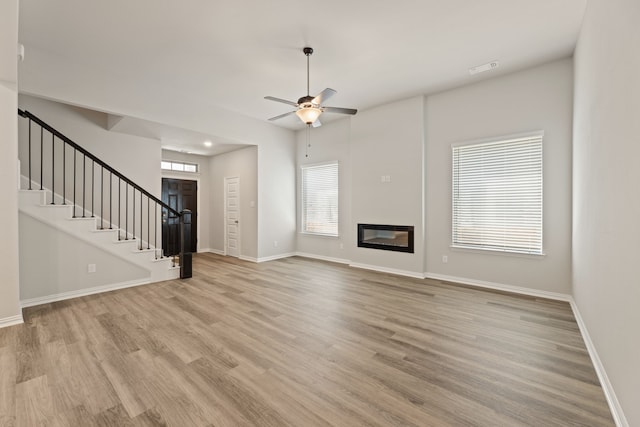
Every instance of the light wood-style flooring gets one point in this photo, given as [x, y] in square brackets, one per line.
[298, 342]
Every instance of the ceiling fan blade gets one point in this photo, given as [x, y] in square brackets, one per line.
[281, 116]
[316, 124]
[339, 110]
[323, 96]
[284, 101]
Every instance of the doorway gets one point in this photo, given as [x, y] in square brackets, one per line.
[179, 194]
[232, 216]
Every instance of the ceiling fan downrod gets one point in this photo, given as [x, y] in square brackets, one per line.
[308, 51]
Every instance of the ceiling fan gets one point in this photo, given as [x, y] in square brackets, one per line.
[310, 107]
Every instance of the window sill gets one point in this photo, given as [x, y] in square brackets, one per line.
[307, 233]
[488, 251]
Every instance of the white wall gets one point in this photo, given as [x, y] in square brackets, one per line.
[204, 190]
[606, 202]
[135, 157]
[539, 98]
[388, 141]
[329, 142]
[53, 262]
[244, 165]
[384, 141]
[276, 196]
[9, 273]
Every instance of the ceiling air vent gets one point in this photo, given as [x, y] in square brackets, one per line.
[484, 67]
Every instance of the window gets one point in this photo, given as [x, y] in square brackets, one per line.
[320, 199]
[497, 195]
[179, 166]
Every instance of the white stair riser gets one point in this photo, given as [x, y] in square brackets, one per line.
[33, 204]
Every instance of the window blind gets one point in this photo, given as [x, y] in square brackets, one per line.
[320, 199]
[497, 195]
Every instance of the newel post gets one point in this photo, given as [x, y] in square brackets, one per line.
[185, 244]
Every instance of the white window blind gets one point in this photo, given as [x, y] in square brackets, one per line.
[497, 195]
[320, 199]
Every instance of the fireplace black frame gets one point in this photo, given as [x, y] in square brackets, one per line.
[407, 228]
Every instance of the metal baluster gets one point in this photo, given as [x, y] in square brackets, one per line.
[141, 233]
[126, 212]
[119, 201]
[41, 154]
[93, 175]
[133, 219]
[75, 155]
[30, 153]
[53, 170]
[84, 191]
[155, 229]
[64, 173]
[110, 199]
[101, 197]
[148, 223]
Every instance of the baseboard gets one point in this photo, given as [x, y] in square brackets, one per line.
[12, 320]
[248, 258]
[322, 257]
[275, 257]
[388, 270]
[213, 251]
[82, 292]
[500, 287]
[612, 399]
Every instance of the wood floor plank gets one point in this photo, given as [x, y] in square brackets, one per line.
[298, 342]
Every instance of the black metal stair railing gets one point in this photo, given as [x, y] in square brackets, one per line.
[72, 174]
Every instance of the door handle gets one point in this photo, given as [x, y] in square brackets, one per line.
[237, 222]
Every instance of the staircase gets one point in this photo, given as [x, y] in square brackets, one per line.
[60, 216]
[72, 191]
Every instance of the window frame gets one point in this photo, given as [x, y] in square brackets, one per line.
[304, 207]
[537, 249]
[181, 164]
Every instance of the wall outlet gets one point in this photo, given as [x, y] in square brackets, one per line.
[91, 268]
[275, 243]
[341, 245]
[445, 259]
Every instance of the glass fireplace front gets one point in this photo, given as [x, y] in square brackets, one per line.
[397, 238]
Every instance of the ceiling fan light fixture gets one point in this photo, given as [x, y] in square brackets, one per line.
[308, 115]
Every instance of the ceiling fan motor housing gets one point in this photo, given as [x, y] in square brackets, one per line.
[306, 100]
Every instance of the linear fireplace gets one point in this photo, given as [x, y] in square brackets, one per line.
[397, 238]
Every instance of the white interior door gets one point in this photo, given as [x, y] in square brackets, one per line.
[232, 216]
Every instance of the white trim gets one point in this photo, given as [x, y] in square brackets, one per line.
[609, 393]
[11, 320]
[322, 257]
[387, 270]
[509, 137]
[500, 287]
[214, 251]
[247, 258]
[275, 257]
[82, 292]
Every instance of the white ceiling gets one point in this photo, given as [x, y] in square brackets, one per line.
[229, 54]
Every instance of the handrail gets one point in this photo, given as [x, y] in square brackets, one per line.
[27, 114]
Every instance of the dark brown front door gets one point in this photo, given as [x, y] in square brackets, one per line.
[180, 194]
